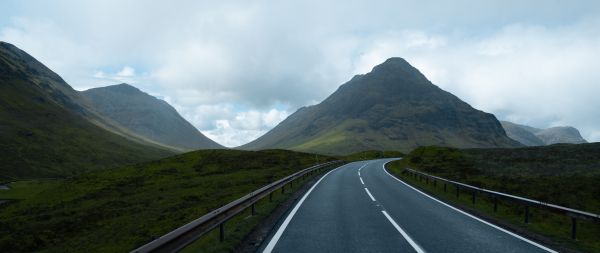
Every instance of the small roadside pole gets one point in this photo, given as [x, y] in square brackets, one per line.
[495, 204]
[523, 203]
[573, 228]
[222, 232]
[457, 191]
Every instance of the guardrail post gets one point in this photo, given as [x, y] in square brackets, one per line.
[253, 209]
[283, 189]
[526, 214]
[495, 204]
[473, 198]
[457, 191]
[221, 232]
[292, 184]
[434, 183]
[445, 187]
[426, 180]
[271, 197]
[573, 228]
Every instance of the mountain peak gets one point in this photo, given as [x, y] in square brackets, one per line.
[394, 63]
[531, 136]
[392, 107]
[398, 68]
[147, 116]
[395, 60]
[124, 88]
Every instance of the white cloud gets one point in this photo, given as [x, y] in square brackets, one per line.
[228, 125]
[236, 128]
[531, 74]
[125, 75]
[126, 72]
[225, 65]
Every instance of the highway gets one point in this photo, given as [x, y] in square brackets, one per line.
[359, 207]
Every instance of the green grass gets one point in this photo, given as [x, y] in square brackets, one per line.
[119, 209]
[537, 173]
[45, 129]
[27, 189]
[371, 154]
[242, 224]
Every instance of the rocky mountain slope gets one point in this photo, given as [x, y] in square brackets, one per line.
[147, 116]
[394, 107]
[531, 136]
[47, 129]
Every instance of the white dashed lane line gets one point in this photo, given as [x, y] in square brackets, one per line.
[371, 196]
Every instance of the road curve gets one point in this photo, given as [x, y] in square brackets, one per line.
[359, 207]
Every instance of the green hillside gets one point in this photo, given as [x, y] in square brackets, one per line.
[116, 210]
[44, 129]
[563, 174]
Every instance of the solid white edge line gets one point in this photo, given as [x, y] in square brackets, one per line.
[469, 215]
[287, 220]
[361, 181]
[367, 190]
[404, 234]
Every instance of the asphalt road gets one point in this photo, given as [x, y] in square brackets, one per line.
[359, 207]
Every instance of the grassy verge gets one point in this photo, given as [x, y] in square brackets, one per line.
[460, 165]
[371, 154]
[120, 209]
[237, 228]
[26, 189]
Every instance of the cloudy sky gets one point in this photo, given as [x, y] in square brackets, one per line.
[237, 68]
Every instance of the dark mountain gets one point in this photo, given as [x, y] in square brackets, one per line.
[47, 129]
[565, 134]
[523, 134]
[147, 116]
[392, 107]
[531, 136]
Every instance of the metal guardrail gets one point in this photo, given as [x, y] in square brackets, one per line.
[573, 213]
[181, 237]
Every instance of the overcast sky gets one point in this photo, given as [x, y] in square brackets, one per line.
[235, 69]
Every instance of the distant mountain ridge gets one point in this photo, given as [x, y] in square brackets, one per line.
[531, 136]
[47, 129]
[394, 107]
[147, 116]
